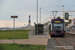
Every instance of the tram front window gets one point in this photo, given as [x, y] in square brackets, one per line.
[58, 27]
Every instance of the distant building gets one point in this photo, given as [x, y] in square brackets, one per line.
[5, 28]
[73, 21]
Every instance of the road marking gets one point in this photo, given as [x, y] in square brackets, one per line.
[49, 36]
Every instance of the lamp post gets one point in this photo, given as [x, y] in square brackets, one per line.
[63, 11]
[37, 16]
[40, 14]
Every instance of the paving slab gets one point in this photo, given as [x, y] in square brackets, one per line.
[71, 33]
[33, 36]
[26, 41]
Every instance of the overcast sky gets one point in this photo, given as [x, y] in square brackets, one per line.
[24, 8]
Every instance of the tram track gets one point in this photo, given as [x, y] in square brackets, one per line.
[62, 46]
[69, 35]
[69, 41]
[66, 40]
[63, 43]
[58, 43]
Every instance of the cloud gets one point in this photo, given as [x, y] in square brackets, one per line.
[24, 8]
[10, 24]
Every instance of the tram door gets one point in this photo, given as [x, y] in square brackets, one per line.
[50, 29]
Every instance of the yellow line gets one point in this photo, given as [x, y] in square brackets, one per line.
[49, 35]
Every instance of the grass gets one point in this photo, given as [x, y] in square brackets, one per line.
[21, 47]
[19, 34]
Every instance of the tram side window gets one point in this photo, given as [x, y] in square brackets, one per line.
[50, 27]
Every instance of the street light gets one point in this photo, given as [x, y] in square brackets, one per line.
[63, 11]
[37, 16]
[40, 14]
[37, 11]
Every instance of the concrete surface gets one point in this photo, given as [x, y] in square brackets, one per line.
[26, 41]
[33, 36]
[71, 33]
[33, 39]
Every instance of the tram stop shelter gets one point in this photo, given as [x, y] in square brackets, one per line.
[38, 29]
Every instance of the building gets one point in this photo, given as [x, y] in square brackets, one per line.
[73, 22]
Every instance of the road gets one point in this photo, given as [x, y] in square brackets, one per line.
[62, 43]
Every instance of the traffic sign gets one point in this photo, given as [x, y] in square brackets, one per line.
[14, 16]
[66, 16]
[69, 21]
[14, 27]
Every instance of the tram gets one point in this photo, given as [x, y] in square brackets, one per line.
[57, 27]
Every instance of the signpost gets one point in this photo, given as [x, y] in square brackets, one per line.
[14, 27]
[69, 21]
[66, 16]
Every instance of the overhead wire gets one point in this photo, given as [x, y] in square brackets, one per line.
[71, 8]
[57, 5]
[56, 9]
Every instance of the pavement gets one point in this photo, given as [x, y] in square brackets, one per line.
[26, 41]
[33, 36]
[33, 39]
[70, 32]
[44, 36]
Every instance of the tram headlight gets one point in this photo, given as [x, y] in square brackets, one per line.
[62, 31]
[53, 31]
